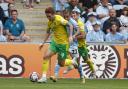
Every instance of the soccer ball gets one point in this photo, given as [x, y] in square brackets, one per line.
[34, 77]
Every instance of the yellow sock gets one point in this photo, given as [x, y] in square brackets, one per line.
[45, 66]
[90, 65]
[68, 62]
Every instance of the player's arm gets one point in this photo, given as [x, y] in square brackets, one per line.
[70, 32]
[66, 23]
[77, 33]
[80, 35]
[45, 39]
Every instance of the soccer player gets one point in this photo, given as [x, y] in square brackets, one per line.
[80, 36]
[82, 49]
[59, 42]
[73, 47]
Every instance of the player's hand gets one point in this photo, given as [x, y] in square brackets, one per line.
[74, 36]
[41, 46]
[11, 37]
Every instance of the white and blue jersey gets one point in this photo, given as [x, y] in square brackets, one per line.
[74, 45]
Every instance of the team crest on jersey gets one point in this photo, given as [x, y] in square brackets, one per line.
[106, 61]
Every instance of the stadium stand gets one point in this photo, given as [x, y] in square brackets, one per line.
[35, 19]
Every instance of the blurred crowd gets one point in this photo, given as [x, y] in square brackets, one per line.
[105, 20]
[11, 27]
[30, 3]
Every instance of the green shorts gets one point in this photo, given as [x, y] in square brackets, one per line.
[83, 51]
[60, 49]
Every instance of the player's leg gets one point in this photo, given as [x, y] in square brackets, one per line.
[75, 55]
[89, 61]
[91, 65]
[57, 68]
[45, 66]
[61, 55]
[69, 68]
[56, 71]
[82, 77]
[84, 53]
[61, 63]
[51, 51]
[63, 58]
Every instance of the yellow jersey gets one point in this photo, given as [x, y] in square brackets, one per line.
[81, 41]
[58, 30]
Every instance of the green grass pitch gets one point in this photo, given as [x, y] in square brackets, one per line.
[21, 83]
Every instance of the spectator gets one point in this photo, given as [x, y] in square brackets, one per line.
[113, 2]
[37, 1]
[124, 22]
[122, 2]
[84, 15]
[1, 14]
[60, 5]
[5, 6]
[114, 36]
[80, 3]
[95, 35]
[2, 37]
[23, 1]
[15, 29]
[73, 4]
[29, 3]
[10, 1]
[119, 2]
[111, 19]
[119, 5]
[90, 4]
[91, 19]
[103, 10]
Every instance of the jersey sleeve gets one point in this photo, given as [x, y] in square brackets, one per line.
[63, 21]
[81, 26]
[74, 23]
